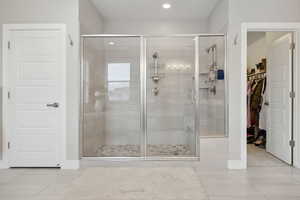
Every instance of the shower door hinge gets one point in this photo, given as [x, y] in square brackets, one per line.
[8, 145]
[293, 46]
[292, 143]
[292, 95]
[8, 95]
[8, 44]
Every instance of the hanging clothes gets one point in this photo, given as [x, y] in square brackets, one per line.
[256, 100]
[249, 92]
[263, 111]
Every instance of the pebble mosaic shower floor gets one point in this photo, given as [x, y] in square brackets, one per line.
[153, 150]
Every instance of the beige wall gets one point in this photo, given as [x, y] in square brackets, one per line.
[66, 11]
[248, 11]
[91, 21]
[53, 11]
[257, 48]
[231, 14]
[218, 19]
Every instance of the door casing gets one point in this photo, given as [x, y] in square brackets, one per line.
[7, 28]
[266, 27]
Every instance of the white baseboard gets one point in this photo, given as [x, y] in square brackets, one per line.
[71, 164]
[236, 164]
[68, 164]
[3, 165]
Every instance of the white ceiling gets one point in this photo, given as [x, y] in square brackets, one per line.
[152, 10]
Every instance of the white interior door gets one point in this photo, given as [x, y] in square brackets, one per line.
[279, 87]
[35, 83]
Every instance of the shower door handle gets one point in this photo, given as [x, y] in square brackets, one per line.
[54, 105]
[194, 98]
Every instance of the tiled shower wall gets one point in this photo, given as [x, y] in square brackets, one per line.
[216, 102]
[171, 112]
[122, 117]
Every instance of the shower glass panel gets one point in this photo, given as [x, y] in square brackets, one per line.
[170, 97]
[111, 97]
[152, 97]
[212, 86]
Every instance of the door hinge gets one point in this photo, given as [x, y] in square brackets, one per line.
[8, 95]
[8, 145]
[292, 95]
[292, 143]
[8, 44]
[293, 46]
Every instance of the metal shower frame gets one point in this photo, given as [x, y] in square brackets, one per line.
[143, 93]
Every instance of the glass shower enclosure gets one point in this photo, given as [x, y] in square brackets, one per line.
[141, 95]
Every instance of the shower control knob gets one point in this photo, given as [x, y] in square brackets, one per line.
[155, 91]
[155, 78]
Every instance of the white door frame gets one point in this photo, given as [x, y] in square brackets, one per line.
[6, 35]
[263, 27]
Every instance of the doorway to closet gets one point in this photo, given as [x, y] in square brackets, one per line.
[270, 98]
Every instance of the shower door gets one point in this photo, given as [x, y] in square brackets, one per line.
[111, 97]
[171, 97]
[140, 97]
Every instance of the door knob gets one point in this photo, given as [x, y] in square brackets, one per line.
[54, 105]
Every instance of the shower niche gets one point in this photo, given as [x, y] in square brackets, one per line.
[142, 96]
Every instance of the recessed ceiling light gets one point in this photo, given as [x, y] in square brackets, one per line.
[166, 5]
[111, 43]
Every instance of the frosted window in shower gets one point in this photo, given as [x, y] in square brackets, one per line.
[118, 77]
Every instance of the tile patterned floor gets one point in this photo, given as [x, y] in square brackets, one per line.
[152, 181]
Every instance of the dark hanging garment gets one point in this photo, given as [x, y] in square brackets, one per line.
[256, 97]
[256, 101]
